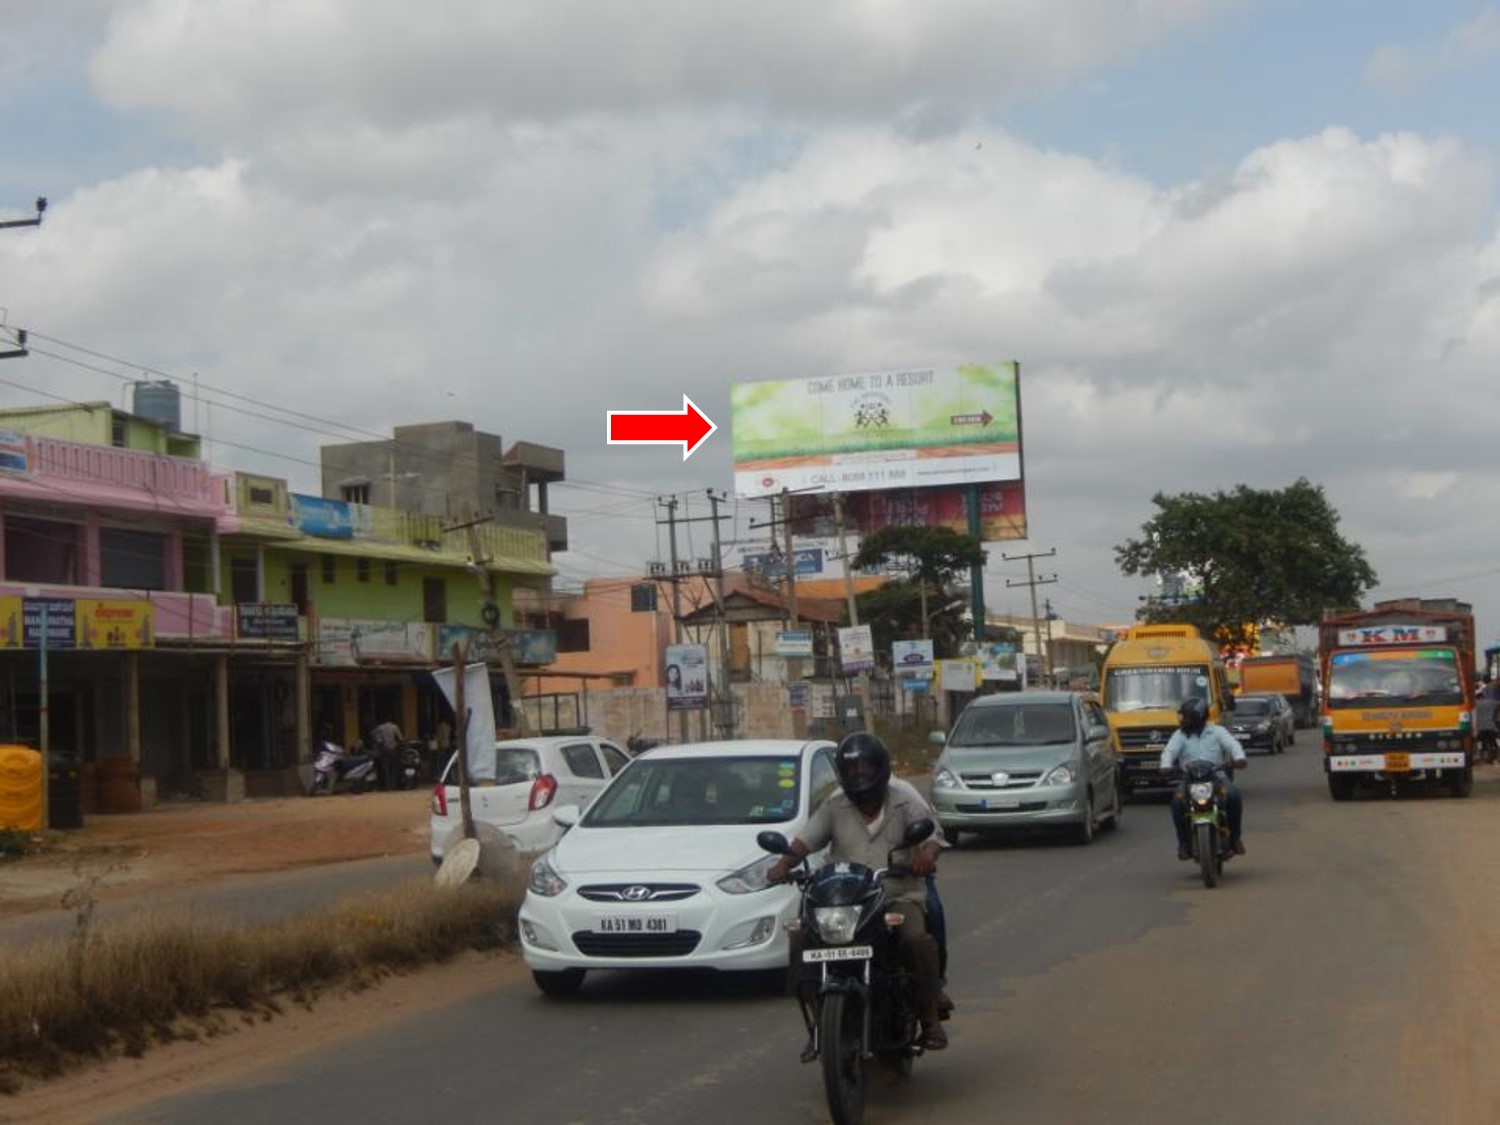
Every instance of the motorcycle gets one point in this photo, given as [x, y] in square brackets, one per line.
[1208, 818]
[864, 1010]
[335, 770]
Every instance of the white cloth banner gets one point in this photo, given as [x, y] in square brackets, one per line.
[481, 737]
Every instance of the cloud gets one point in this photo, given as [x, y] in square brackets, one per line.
[1403, 68]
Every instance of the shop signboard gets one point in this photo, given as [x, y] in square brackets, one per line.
[266, 621]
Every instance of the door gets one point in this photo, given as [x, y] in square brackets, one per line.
[583, 774]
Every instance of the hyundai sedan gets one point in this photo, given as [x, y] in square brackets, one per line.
[662, 870]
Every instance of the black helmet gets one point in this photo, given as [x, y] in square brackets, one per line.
[1192, 715]
[864, 766]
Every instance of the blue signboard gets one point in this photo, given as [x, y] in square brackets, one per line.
[62, 622]
[807, 560]
[326, 519]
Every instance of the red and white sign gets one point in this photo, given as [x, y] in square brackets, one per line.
[1393, 635]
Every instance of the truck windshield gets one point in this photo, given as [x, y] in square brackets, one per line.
[1154, 688]
[1394, 677]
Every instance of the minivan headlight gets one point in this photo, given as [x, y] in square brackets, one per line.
[944, 778]
[1060, 775]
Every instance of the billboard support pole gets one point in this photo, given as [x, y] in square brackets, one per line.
[976, 571]
[864, 677]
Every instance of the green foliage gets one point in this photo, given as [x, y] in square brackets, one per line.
[1264, 557]
[13, 842]
[929, 559]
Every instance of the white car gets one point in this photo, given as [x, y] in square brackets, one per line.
[663, 871]
[516, 788]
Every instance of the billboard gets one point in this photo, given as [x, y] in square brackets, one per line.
[686, 677]
[880, 430]
[1002, 511]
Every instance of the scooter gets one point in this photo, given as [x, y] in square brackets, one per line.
[336, 770]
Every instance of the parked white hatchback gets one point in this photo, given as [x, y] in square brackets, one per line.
[516, 787]
[663, 871]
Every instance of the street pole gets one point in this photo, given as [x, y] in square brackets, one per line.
[490, 611]
[1036, 621]
[670, 503]
[726, 722]
[43, 722]
[864, 676]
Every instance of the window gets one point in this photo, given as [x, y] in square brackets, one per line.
[243, 587]
[434, 601]
[362, 569]
[643, 597]
[614, 757]
[41, 551]
[329, 570]
[573, 635]
[355, 493]
[392, 574]
[132, 560]
[300, 595]
[823, 780]
[582, 760]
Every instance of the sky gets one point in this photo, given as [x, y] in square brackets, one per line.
[1228, 241]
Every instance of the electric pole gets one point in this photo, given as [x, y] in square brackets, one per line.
[490, 612]
[670, 504]
[1036, 622]
[725, 722]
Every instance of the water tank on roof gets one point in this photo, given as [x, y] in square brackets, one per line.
[160, 402]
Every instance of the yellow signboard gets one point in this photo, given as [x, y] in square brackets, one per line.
[114, 624]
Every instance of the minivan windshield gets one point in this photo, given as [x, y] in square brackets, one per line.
[1162, 687]
[1014, 724]
[668, 791]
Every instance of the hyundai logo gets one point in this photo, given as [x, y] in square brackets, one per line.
[636, 893]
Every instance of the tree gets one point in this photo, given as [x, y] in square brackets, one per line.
[929, 559]
[1263, 558]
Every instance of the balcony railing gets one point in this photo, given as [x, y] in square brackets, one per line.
[169, 479]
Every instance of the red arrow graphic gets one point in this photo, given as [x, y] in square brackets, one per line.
[648, 427]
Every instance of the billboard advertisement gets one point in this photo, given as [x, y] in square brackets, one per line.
[1002, 511]
[879, 430]
[687, 677]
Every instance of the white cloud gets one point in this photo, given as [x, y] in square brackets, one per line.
[1465, 45]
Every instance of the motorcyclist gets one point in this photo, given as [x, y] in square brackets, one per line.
[862, 824]
[1198, 739]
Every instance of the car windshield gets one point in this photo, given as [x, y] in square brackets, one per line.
[668, 791]
[1394, 677]
[502, 765]
[1248, 708]
[1021, 724]
[1156, 688]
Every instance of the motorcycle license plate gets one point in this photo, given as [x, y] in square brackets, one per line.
[839, 953]
[1397, 763]
[636, 924]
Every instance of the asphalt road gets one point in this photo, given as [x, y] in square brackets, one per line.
[1320, 982]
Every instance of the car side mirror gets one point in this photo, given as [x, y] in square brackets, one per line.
[566, 815]
[773, 842]
[937, 738]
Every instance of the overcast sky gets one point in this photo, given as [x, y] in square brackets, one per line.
[1227, 241]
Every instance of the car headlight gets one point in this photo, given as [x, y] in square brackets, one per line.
[1062, 775]
[544, 879]
[1201, 790]
[751, 877]
[944, 778]
[1261, 728]
[836, 924]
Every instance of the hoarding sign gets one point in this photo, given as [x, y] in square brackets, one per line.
[879, 430]
[687, 677]
[527, 646]
[114, 623]
[266, 621]
[12, 451]
[323, 519]
[958, 675]
[806, 560]
[794, 642]
[1002, 511]
[856, 649]
[1000, 662]
[912, 659]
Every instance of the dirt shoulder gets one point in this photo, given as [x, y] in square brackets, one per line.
[191, 843]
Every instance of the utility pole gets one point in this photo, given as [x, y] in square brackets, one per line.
[1033, 581]
[670, 503]
[726, 721]
[490, 612]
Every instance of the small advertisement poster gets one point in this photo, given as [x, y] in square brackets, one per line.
[797, 694]
[12, 451]
[856, 649]
[686, 677]
[1000, 662]
[266, 621]
[114, 623]
[959, 675]
[794, 642]
[912, 659]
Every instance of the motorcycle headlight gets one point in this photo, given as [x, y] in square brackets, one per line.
[836, 924]
[1062, 775]
[1201, 791]
[544, 879]
[944, 778]
[751, 877]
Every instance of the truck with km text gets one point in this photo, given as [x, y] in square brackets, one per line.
[1398, 684]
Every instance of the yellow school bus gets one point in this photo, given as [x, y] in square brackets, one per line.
[1147, 675]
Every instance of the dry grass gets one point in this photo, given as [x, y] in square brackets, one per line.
[116, 989]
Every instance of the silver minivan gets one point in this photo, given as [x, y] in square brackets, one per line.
[1027, 759]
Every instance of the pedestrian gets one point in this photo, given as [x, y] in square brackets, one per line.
[385, 744]
[1485, 726]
